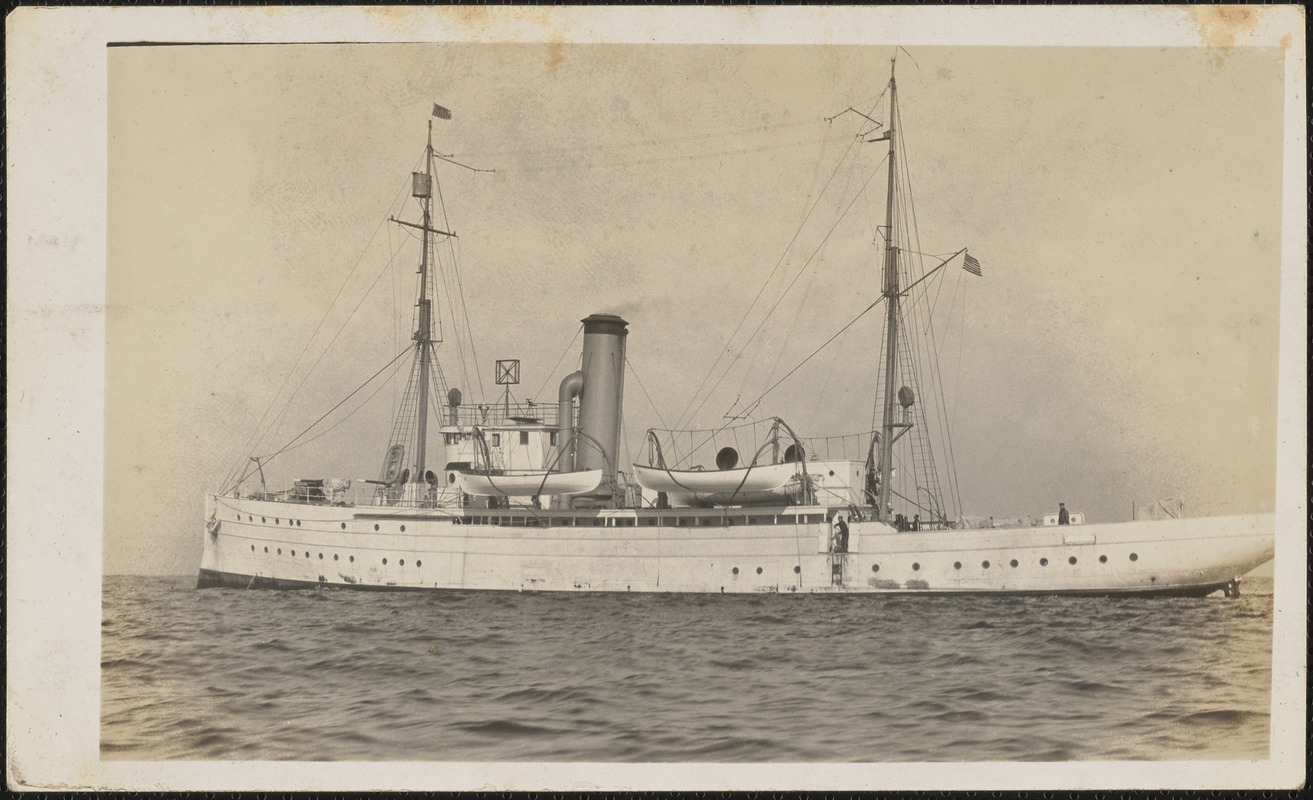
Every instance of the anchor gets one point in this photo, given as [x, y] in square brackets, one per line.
[1232, 589]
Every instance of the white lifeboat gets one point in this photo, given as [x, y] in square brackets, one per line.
[527, 483]
[779, 482]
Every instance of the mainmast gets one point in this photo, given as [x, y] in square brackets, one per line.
[891, 294]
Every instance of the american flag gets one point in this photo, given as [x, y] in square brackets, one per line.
[440, 112]
[970, 264]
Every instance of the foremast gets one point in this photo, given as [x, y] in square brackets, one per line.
[424, 326]
[406, 462]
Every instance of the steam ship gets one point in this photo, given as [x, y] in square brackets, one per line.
[533, 497]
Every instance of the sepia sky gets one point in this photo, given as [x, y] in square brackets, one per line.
[1124, 203]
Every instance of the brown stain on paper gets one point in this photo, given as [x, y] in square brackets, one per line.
[554, 55]
[1220, 26]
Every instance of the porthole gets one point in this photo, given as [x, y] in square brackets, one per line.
[307, 554]
[266, 549]
[957, 565]
[1103, 559]
[1013, 562]
[403, 528]
[1071, 560]
[916, 567]
[252, 548]
[831, 473]
[298, 523]
[419, 563]
[352, 559]
[293, 552]
[321, 556]
[797, 570]
[280, 551]
[1134, 557]
[262, 519]
[375, 527]
[875, 568]
[277, 522]
[758, 570]
[984, 565]
[401, 563]
[343, 526]
[1043, 562]
[735, 570]
[385, 561]
[335, 556]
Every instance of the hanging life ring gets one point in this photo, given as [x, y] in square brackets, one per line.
[212, 525]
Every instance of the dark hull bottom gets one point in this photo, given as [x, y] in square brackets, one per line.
[210, 579]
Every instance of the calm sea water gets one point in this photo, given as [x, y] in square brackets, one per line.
[340, 675]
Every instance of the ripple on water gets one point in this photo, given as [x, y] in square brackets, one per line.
[230, 674]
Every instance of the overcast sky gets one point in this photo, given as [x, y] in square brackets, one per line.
[1124, 202]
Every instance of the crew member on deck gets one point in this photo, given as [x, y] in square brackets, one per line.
[840, 535]
[1063, 518]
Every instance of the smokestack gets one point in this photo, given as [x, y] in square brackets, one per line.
[603, 395]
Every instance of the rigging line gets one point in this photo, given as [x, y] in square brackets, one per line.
[779, 356]
[437, 382]
[340, 403]
[668, 159]
[352, 412]
[942, 411]
[780, 299]
[450, 287]
[939, 288]
[255, 438]
[460, 286]
[788, 336]
[723, 428]
[634, 372]
[396, 305]
[457, 163]
[567, 349]
[327, 347]
[811, 191]
[945, 417]
[817, 350]
[783, 255]
[629, 145]
[936, 379]
[957, 379]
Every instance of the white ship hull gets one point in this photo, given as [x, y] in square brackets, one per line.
[262, 544]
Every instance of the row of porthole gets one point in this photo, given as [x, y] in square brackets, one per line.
[277, 520]
[401, 562]
[796, 570]
[1043, 562]
[296, 522]
[916, 567]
